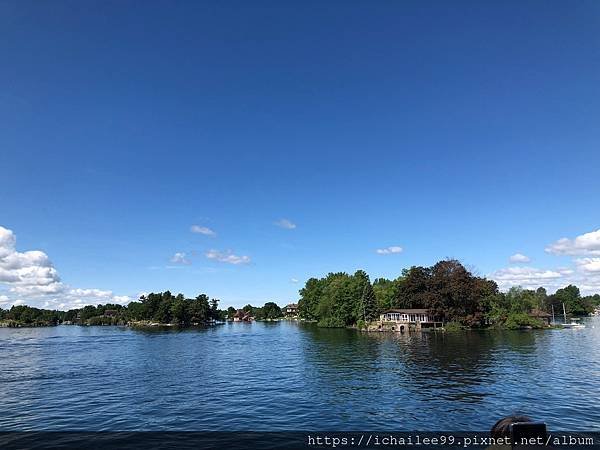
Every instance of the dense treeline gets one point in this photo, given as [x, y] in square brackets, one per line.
[163, 308]
[338, 299]
[22, 314]
[270, 311]
[167, 308]
[447, 288]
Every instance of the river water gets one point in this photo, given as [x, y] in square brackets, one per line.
[289, 376]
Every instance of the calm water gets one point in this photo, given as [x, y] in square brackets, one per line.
[288, 376]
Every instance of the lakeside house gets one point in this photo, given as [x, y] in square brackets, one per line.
[242, 316]
[410, 319]
[540, 315]
[290, 310]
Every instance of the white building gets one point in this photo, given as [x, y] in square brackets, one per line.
[408, 319]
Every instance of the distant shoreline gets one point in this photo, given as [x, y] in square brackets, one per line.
[141, 325]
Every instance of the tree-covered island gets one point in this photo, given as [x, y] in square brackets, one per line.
[154, 309]
[447, 289]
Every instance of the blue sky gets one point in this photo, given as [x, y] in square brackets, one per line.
[464, 129]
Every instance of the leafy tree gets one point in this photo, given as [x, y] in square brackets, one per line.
[310, 297]
[271, 311]
[541, 298]
[338, 299]
[368, 301]
[200, 309]
[214, 309]
[449, 290]
[591, 302]
[520, 320]
[385, 293]
[414, 291]
[572, 300]
[180, 311]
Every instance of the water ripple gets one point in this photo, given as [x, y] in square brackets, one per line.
[288, 376]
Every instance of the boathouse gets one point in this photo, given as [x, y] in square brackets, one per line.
[291, 310]
[540, 315]
[408, 320]
[242, 316]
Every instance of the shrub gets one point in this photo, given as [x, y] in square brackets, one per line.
[331, 322]
[514, 321]
[453, 326]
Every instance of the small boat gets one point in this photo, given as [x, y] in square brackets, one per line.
[573, 324]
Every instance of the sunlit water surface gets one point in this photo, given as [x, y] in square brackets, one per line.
[289, 376]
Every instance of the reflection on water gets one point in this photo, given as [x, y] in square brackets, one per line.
[289, 376]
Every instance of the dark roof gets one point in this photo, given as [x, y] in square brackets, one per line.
[292, 305]
[407, 311]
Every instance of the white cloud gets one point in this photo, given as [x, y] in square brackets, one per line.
[227, 257]
[519, 258]
[294, 280]
[180, 258]
[389, 250]
[531, 277]
[8, 242]
[588, 264]
[32, 279]
[586, 276]
[78, 298]
[587, 244]
[285, 223]
[28, 272]
[4, 301]
[95, 296]
[584, 271]
[202, 230]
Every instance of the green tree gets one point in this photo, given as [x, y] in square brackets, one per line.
[385, 293]
[180, 312]
[214, 309]
[200, 309]
[231, 311]
[571, 298]
[365, 303]
[414, 291]
[271, 311]
[310, 297]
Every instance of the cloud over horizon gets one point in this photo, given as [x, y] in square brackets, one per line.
[584, 271]
[32, 279]
[529, 277]
[587, 244]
